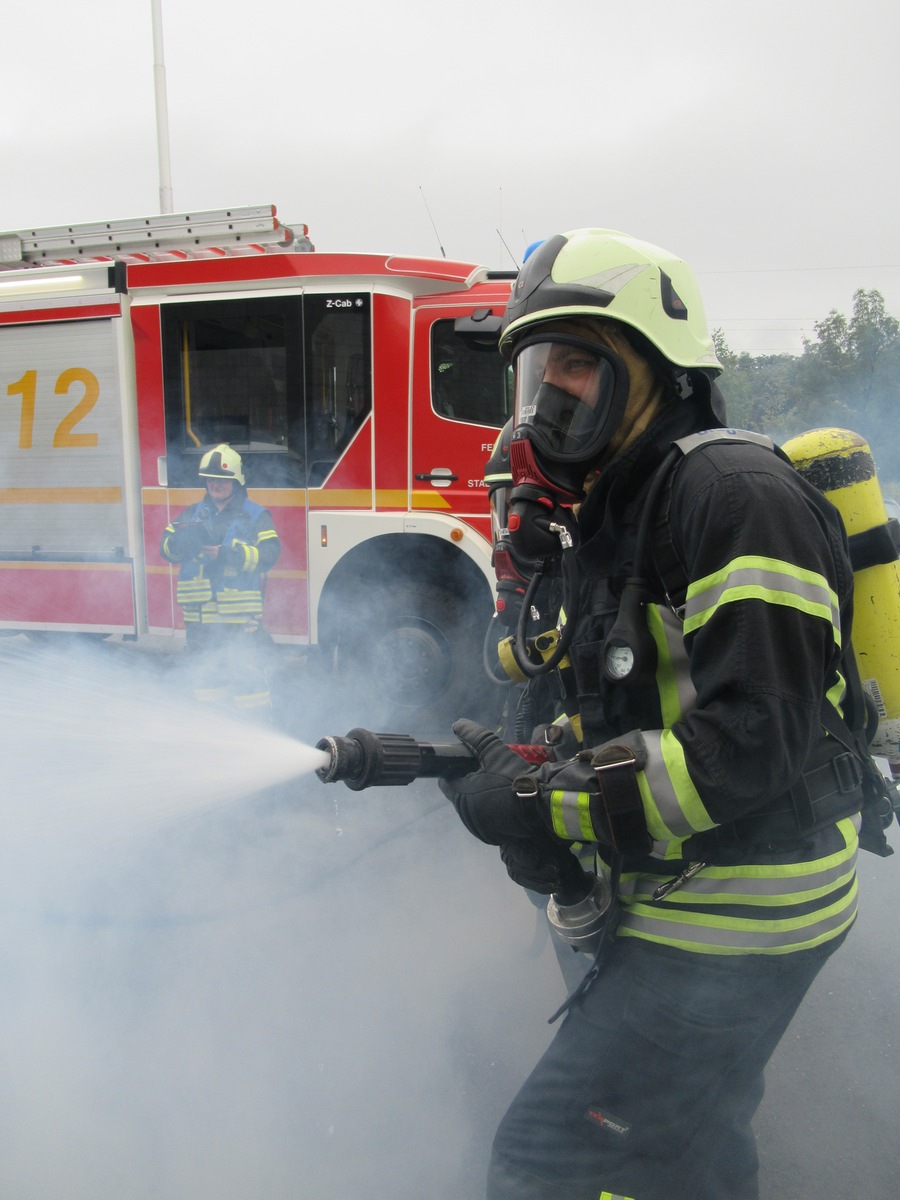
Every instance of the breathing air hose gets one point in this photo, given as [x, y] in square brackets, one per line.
[569, 607]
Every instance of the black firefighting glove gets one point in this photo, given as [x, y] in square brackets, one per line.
[559, 735]
[593, 797]
[187, 540]
[485, 798]
[490, 809]
[538, 866]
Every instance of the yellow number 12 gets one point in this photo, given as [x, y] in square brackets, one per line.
[63, 438]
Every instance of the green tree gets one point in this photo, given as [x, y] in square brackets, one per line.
[758, 389]
[849, 375]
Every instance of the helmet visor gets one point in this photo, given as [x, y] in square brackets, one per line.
[570, 395]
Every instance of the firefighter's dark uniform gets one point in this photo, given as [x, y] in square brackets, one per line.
[649, 1086]
[729, 820]
[222, 597]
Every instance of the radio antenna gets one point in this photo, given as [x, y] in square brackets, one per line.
[508, 251]
[433, 226]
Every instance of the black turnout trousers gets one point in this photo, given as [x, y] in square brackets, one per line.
[648, 1090]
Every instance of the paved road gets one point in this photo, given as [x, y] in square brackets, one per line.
[315, 994]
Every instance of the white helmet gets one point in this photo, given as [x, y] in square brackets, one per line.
[222, 463]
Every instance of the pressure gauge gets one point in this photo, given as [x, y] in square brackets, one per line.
[618, 660]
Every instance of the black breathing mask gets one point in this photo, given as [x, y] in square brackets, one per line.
[570, 397]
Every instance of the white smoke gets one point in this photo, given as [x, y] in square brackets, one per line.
[218, 990]
[222, 979]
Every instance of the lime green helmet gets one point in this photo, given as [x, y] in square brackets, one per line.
[222, 463]
[603, 273]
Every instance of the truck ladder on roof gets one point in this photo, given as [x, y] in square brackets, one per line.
[181, 235]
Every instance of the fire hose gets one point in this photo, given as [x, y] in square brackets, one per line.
[577, 911]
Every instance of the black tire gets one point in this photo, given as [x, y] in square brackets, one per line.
[411, 660]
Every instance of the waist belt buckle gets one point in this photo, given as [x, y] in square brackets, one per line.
[848, 772]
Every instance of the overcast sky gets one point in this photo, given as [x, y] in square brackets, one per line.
[758, 141]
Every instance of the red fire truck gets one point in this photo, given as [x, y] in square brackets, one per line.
[363, 391]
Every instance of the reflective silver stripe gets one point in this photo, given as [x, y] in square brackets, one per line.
[765, 886]
[734, 935]
[193, 591]
[667, 849]
[236, 600]
[701, 915]
[571, 816]
[771, 580]
[672, 805]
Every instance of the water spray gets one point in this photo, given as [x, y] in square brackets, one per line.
[578, 911]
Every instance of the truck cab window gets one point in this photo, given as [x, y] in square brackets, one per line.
[470, 381]
[338, 376]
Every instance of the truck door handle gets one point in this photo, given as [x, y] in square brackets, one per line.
[440, 476]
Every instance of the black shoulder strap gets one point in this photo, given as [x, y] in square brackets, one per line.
[667, 560]
[664, 546]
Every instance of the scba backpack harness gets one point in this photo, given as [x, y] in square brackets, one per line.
[843, 778]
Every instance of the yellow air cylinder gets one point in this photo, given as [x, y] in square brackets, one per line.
[840, 464]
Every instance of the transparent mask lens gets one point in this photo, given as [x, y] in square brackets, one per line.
[563, 389]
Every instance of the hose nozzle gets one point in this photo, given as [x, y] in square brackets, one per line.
[365, 759]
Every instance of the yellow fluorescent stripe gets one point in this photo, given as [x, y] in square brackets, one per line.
[656, 826]
[556, 814]
[275, 573]
[771, 566]
[770, 596]
[87, 495]
[686, 794]
[768, 579]
[65, 566]
[665, 673]
[778, 870]
[701, 920]
[584, 816]
[316, 498]
[267, 497]
[700, 947]
[785, 899]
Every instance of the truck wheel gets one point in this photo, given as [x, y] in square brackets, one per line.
[412, 659]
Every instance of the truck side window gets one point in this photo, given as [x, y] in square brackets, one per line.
[470, 381]
[232, 373]
[337, 337]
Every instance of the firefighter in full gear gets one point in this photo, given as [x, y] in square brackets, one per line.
[709, 612]
[224, 545]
